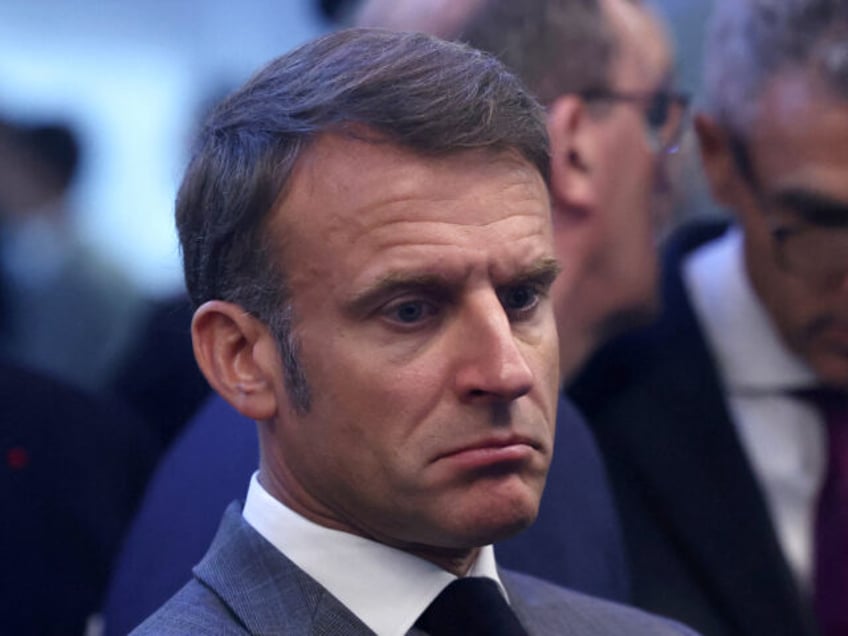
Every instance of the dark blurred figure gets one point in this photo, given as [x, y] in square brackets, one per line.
[335, 11]
[158, 378]
[65, 309]
[721, 423]
[73, 468]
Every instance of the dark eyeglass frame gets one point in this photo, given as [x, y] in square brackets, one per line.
[781, 234]
[657, 105]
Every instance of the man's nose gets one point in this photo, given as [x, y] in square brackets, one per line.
[490, 362]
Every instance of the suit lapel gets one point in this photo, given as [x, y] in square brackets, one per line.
[266, 591]
[535, 617]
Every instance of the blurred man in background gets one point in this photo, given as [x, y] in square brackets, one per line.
[64, 308]
[725, 424]
[613, 117]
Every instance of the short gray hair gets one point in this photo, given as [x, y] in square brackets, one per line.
[749, 42]
[556, 46]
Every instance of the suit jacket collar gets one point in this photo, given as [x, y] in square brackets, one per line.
[268, 594]
[279, 597]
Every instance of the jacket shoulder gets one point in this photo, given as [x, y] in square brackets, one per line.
[549, 609]
[195, 609]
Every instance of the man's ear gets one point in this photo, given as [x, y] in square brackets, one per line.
[571, 140]
[238, 355]
[717, 160]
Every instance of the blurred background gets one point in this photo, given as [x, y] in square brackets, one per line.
[99, 101]
[132, 78]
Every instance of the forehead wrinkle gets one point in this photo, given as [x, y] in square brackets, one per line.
[642, 39]
[447, 210]
[409, 248]
[795, 114]
[324, 172]
[416, 235]
[422, 202]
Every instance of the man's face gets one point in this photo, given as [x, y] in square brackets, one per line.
[798, 153]
[628, 169]
[419, 289]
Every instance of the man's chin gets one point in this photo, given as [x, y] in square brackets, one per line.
[832, 370]
[480, 511]
[508, 530]
[466, 534]
[498, 522]
[642, 311]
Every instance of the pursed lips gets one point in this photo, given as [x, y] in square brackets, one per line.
[495, 448]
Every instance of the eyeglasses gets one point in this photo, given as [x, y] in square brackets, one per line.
[809, 230]
[664, 113]
[813, 252]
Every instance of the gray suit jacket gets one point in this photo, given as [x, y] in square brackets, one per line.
[246, 586]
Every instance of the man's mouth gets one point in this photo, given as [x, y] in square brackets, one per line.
[492, 451]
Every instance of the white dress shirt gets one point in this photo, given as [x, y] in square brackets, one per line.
[386, 588]
[784, 437]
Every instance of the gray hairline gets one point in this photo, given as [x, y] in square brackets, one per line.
[746, 48]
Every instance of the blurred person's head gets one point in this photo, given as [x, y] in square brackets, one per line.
[38, 164]
[774, 140]
[603, 69]
[443, 18]
[365, 229]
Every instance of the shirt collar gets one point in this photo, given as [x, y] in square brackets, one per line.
[745, 342]
[386, 588]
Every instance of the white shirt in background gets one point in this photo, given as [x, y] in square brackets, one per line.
[783, 437]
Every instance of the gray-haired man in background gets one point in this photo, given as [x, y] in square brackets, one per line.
[726, 423]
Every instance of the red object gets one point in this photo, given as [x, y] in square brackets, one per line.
[17, 458]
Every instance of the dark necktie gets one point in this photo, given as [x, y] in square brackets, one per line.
[830, 584]
[472, 606]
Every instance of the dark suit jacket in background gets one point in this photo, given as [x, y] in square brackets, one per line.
[245, 586]
[698, 534]
[158, 377]
[575, 542]
[73, 469]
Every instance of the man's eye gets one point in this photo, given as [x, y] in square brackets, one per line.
[410, 312]
[520, 299]
[658, 110]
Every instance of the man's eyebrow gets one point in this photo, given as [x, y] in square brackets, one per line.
[543, 272]
[397, 282]
[813, 207]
